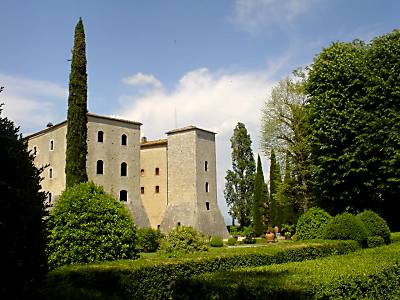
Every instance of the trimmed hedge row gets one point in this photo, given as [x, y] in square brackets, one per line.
[367, 274]
[156, 279]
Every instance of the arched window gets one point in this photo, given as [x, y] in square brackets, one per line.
[51, 146]
[207, 187]
[99, 167]
[51, 173]
[206, 166]
[123, 195]
[142, 172]
[124, 168]
[124, 140]
[100, 136]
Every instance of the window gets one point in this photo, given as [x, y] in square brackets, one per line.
[51, 173]
[206, 166]
[157, 171]
[179, 224]
[124, 169]
[49, 197]
[123, 140]
[142, 172]
[207, 187]
[142, 190]
[158, 227]
[99, 167]
[100, 136]
[208, 205]
[123, 196]
[157, 189]
[51, 145]
[34, 150]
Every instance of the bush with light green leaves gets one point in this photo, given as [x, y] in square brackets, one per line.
[89, 225]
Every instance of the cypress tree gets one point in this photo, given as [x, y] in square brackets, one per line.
[75, 165]
[274, 181]
[260, 200]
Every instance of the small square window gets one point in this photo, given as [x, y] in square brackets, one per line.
[157, 171]
[157, 189]
[142, 190]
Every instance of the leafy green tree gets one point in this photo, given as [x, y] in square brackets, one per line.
[275, 180]
[22, 212]
[240, 180]
[75, 164]
[285, 129]
[355, 126]
[261, 201]
[89, 225]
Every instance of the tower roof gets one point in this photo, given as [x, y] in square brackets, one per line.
[188, 128]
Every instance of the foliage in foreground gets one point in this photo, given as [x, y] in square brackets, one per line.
[22, 229]
[157, 278]
[375, 225]
[311, 225]
[88, 225]
[366, 274]
[181, 240]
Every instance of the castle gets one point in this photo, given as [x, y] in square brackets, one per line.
[164, 183]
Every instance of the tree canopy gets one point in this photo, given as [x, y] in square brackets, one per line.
[22, 212]
[240, 180]
[75, 164]
[354, 111]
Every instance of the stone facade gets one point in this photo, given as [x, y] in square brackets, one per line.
[164, 183]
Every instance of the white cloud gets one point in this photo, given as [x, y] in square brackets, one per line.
[251, 15]
[211, 100]
[31, 104]
[141, 79]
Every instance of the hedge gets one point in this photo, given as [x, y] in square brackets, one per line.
[156, 278]
[366, 274]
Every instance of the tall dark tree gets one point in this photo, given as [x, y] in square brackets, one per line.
[260, 202]
[274, 180]
[355, 126]
[22, 228]
[75, 165]
[240, 180]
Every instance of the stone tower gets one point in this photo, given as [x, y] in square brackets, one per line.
[192, 183]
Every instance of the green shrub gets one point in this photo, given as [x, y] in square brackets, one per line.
[158, 278]
[395, 237]
[346, 226]
[182, 239]
[311, 225]
[295, 238]
[366, 274]
[216, 242]
[375, 241]
[148, 239]
[375, 225]
[88, 225]
[231, 241]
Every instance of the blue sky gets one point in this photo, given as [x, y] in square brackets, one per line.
[210, 63]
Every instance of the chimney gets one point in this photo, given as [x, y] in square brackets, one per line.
[49, 125]
[144, 139]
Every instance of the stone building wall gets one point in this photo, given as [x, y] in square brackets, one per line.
[153, 174]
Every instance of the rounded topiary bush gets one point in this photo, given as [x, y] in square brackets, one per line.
[346, 226]
[183, 239]
[375, 241]
[311, 225]
[375, 225]
[88, 225]
[231, 241]
[148, 239]
[216, 242]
